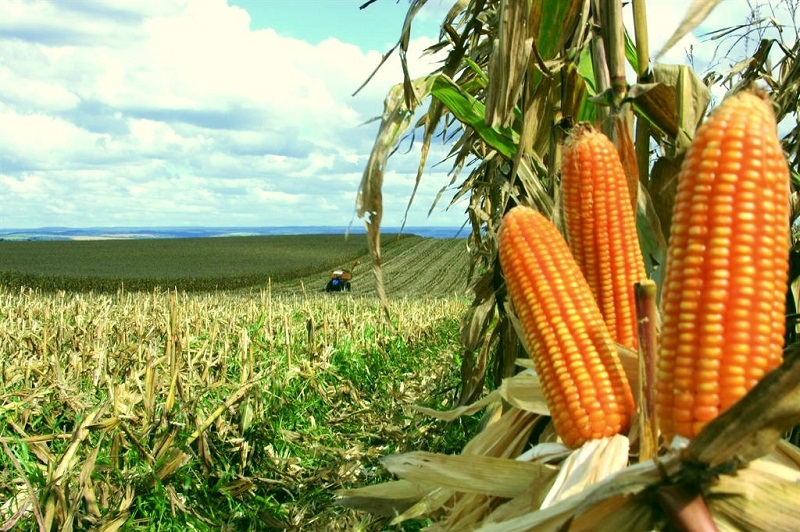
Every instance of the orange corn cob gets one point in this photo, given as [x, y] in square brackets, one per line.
[723, 301]
[583, 381]
[601, 228]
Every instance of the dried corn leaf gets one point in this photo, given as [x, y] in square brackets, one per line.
[87, 486]
[55, 505]
[501, 477]
[468, 509]
[762, 496]
[615, 503]
[523, 391]
[115, 523]
[466, 410]
[523, 504]
[238, 488]
[612, 514]
[164, 443]
[508, 62]
[149, 389]
[594, 461]
[69, 458]
[24, 498]
[431, 503]
[396, 118]
[504, 438]
[546, 452]
[662, 187]
[474, 338]
[237, 396]
[106, 424]
[125, 401]
[388, 498]
[174, 461]
[471, 508]
[35, 443]
[697, 13]
[623, 125]
[785, 453]
[675, 105]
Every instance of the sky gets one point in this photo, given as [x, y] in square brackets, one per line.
[145, 113]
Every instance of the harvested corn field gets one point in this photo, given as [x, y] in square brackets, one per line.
[412, 266]
[287, 264]
[226, 411]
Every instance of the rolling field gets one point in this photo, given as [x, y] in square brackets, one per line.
[288, 264]
[412, 266]
[223, 409]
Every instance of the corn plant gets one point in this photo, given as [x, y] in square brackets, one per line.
[520, 81]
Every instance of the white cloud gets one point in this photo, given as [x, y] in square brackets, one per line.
[705, 47]
[37, 141]
[25, 185]
[177, 113]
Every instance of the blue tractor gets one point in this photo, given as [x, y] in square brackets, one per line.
[339, 281]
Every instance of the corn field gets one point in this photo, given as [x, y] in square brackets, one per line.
[164, 409]
[217, 410]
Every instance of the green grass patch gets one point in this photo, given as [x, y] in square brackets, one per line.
[237, 411]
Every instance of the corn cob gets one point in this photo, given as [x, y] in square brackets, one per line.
[723, 301]
[601, 228]
[583, 381]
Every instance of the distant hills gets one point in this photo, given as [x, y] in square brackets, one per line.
[139, 233]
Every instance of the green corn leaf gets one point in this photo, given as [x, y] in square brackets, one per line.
[471, 112]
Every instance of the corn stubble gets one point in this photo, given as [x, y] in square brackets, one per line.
[212, 405]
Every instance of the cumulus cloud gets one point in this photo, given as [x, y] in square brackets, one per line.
[707, 47]
[121, 112]
[177, 113]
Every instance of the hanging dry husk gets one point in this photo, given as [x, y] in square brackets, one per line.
[738, 472]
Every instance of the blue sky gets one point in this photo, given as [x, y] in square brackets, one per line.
[374, 28]
[214, 112]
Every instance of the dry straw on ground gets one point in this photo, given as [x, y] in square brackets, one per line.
[738, 472]
[204, 404]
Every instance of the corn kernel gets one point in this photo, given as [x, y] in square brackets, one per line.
[564, 330]
[726, 272]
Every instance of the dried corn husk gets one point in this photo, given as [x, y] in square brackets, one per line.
[737, 472]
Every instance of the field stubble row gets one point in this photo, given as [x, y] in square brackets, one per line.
[282, 264]
[239, 410]
[412, 266]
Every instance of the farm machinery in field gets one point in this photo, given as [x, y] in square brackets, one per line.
[339, 281]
